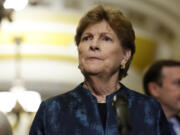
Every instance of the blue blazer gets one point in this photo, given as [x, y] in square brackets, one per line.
[76, 113]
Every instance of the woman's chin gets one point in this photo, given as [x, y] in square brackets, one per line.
[92, 71]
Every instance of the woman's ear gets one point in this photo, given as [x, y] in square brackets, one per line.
[126, 57]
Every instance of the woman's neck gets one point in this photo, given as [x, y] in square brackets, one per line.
[100, 88]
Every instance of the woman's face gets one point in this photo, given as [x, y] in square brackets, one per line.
[100, 50]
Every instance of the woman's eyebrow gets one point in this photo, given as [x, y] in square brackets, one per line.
[105, 33]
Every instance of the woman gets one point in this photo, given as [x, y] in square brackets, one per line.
[105, 42]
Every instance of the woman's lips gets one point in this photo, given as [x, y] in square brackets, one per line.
[93, 58]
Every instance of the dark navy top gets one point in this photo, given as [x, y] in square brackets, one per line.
[102, 113]
[76, 113]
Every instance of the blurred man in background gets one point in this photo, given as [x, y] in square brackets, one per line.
[162, 81]
[5, 128]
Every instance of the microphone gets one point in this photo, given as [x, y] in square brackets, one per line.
[120, 102]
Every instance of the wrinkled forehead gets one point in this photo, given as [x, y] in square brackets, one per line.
[99, 27]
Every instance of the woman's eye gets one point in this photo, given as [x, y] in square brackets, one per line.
[176, 82]
[86, 38]
[106, 38]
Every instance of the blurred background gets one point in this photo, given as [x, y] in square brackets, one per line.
[38, 56]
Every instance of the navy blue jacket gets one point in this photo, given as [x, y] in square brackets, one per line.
[76, 113]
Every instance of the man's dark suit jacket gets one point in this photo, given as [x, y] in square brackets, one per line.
[76, 113]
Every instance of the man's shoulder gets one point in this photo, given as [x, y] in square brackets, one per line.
[178, 118]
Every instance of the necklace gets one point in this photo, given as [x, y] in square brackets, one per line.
[101, 101]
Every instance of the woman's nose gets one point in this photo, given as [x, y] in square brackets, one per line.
[94, 45]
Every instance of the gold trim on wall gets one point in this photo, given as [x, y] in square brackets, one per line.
[48, 38]
[41, 57]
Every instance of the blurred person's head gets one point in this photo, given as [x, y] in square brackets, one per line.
[162, 81]
[101, 16]
[5, 128]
